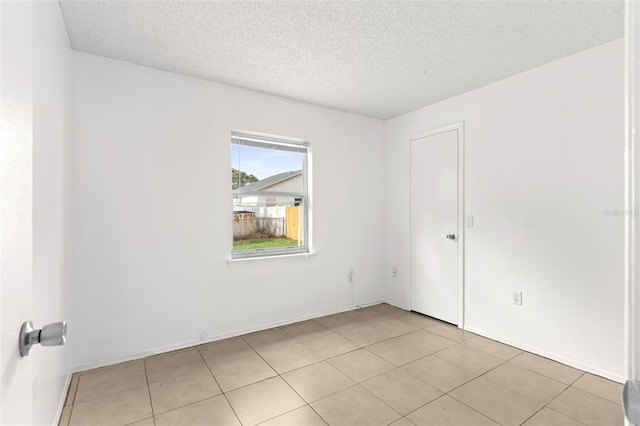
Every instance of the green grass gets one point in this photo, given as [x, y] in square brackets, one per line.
[264, 243]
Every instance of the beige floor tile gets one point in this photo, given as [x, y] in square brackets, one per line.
[264, 400]
[317, 381]
[452, 332]
[549, 417]
[496, 402]
[303, 416]
[367, 334]
[354, 406]
[601, 387]
[396, 326]
[401, 391]
[182, 390]
[377, 332]
[71, 392]
[439, 373]
[546, 367]
[402, 422]
[361, 365]
[410, 347]
[217, 353]
[269, 339]
[497, 349]
[470, 359]
[65, 416]
[173, 364]
[446, 411]
[588, 408]
[418, 320]
[331, 345]
[145, 422]
[213, 411]
[337, 322]
[306, 330]
[116, 409]
[533, 386]
[389, 310]
[111, 380]
[290, 357]
[242, 372]
[366, 315]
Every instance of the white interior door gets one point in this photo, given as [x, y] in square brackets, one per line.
[16, 133]
[434, 225]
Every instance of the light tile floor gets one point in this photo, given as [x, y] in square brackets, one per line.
[374, 366]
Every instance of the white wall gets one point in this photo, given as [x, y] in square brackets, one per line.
[152, 212]
[544, 160]
[51, 205]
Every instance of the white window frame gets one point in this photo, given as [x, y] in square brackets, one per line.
[258, 140]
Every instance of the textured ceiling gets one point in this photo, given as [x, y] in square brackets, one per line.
[375, 58]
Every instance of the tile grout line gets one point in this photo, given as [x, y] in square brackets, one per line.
[537, 411]
[384, 402]
[224, 394]
[554, 398]
[73, 403]
[457, 387]
[322, 360]
[456, 400]
[146, 377]
[356, 383]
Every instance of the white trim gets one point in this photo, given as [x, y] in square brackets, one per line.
[265, 139]
[282, 257]
[459, 126]
[63, 399]
[194, 342]
[570, 362]
[632, 227]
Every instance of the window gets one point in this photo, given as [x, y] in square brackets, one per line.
[270, 195]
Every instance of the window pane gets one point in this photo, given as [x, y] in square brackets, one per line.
[267, 222]
[250, 165]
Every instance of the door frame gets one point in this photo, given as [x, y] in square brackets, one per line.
[632, 192]
[459, 126]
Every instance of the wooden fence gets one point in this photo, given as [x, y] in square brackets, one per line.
[294, 223]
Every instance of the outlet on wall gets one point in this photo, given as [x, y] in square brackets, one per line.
[394, 272]
[517, 298]
[203, 334]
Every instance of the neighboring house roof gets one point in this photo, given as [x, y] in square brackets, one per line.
[266, 182]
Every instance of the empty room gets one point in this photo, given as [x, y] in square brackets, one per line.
[319, 213]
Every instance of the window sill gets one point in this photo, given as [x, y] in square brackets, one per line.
[280, 257]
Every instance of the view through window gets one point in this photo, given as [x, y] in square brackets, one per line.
[269, 184]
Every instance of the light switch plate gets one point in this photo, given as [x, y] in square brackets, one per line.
[469, 221]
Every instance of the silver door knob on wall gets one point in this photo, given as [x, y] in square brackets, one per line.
[51, 335]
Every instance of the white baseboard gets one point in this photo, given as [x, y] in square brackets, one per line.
[550, 355]
[397, 305]
[63, 399]
[159, 350]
